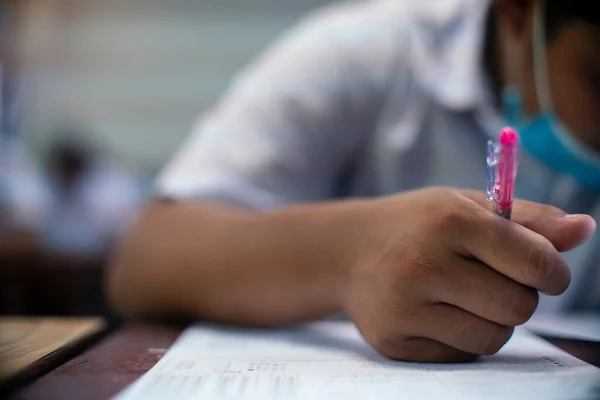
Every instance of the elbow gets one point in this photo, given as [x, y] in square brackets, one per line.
[118, 287]
[129, 287]
[123, 282]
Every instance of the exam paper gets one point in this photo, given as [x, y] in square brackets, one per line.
[330, 360]
[581, 325]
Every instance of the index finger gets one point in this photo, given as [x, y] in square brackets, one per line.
[564, 231]
[513, 250]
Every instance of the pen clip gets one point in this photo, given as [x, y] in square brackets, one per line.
[491, 170]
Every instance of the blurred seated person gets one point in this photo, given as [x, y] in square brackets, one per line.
[343, 172]
[90, 200]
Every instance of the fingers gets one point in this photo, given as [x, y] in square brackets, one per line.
[564, 231]
[462, 330]
[482, 291]
[421, 349]
[444, 333]
[511, 249]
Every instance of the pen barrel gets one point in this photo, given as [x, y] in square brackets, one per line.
[507, 171]
[501, 171]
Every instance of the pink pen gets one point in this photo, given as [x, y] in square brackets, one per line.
[501, 170]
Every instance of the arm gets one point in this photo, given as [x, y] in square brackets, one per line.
[226, 264]
[423, 279]
[283, 135]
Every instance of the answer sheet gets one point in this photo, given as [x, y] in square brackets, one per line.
[330, 360]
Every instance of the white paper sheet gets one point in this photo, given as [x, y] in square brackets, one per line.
[330, 360]
[582, 326]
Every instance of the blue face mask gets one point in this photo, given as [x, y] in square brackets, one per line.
[545, 136]
[548, 139]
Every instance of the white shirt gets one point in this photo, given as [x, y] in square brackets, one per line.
[86, 221]
[90, 218]
[366, 98]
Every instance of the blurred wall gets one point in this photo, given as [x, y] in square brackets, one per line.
[137, 72]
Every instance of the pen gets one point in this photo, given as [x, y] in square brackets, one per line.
[501, 171]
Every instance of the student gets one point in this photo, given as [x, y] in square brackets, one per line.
[313, 187]
[90, 200]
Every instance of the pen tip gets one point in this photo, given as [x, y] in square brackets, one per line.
[508, 137]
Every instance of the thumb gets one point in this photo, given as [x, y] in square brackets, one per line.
[564, 231]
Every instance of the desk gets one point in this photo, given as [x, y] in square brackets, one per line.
[32, 346]
[119, 359]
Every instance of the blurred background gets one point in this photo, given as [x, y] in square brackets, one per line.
[95, 96]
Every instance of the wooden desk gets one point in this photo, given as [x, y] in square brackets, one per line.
[108, 367]
[118, 360]
[32, 346]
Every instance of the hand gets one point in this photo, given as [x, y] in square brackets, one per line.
[435, 276]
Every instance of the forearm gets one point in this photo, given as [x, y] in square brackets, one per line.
[224, 264]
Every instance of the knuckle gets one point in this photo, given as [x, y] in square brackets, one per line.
[537, 262]
[461, 330]
[394, 341]
[443, 191]
[566, 281]
[494, 338]
[455, 222]
[392, 346]
[524, 304]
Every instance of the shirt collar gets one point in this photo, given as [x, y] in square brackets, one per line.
[447, 53]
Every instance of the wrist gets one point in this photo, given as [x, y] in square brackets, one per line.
[322, 241]
[343, 234]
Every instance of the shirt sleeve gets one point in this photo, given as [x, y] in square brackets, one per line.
[292, 121]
